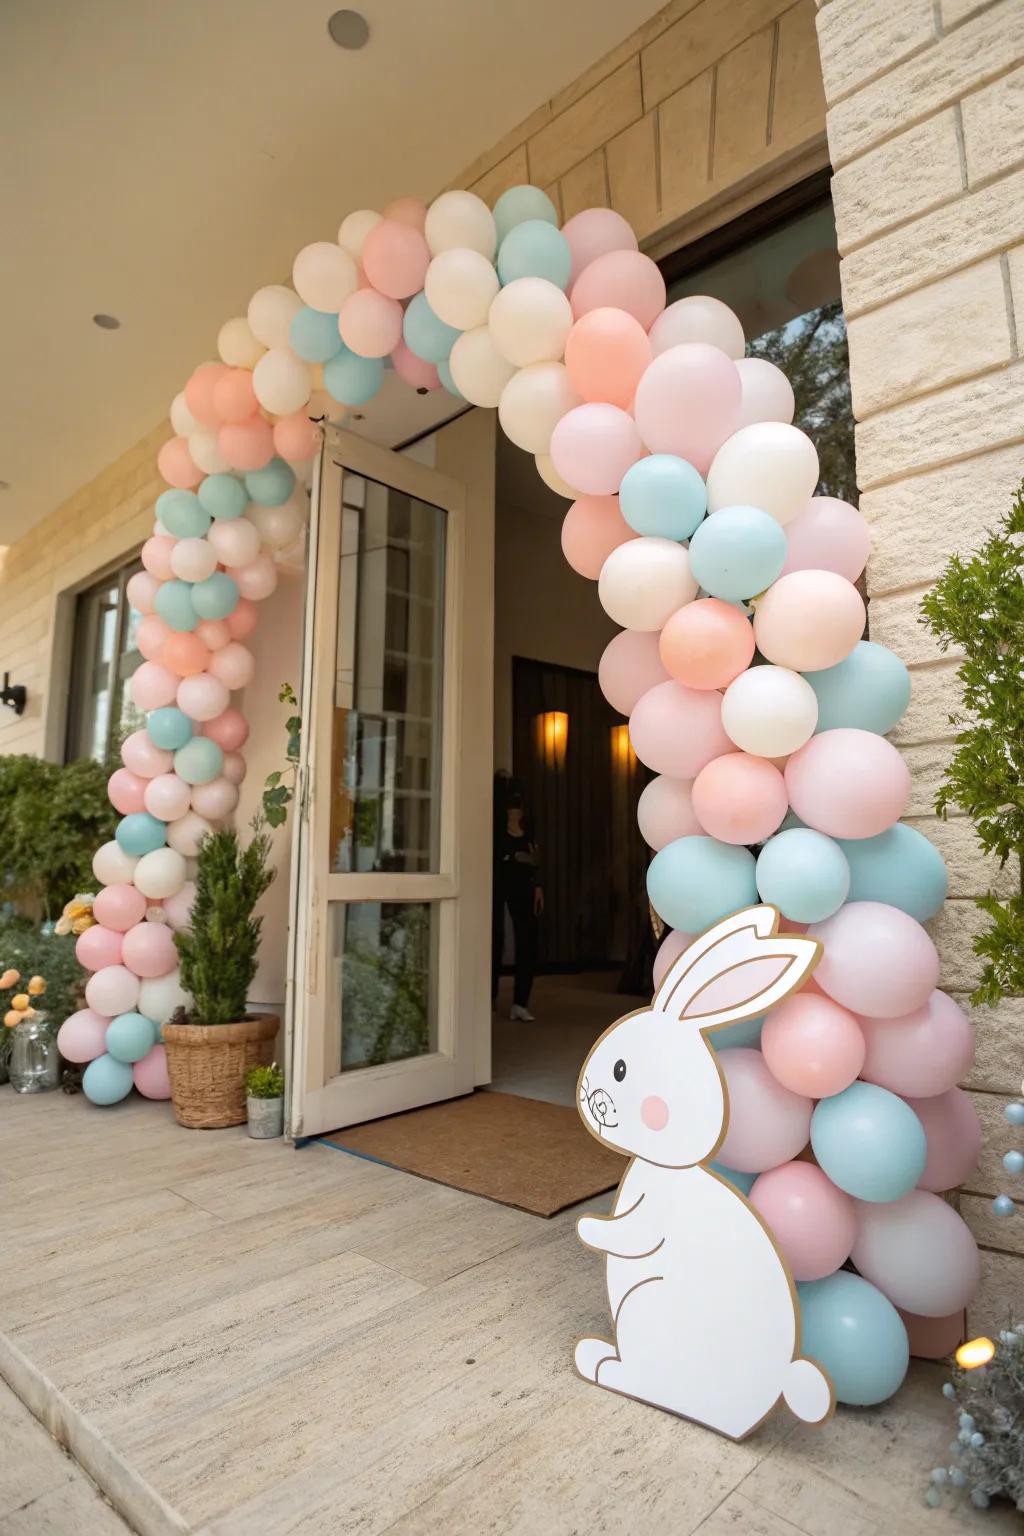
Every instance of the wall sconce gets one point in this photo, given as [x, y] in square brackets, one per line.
[14, 695]
[623, 756]
[552, 736]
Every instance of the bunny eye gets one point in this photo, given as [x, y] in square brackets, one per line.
[619, 1070]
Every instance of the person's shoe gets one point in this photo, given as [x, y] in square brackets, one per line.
[521, 1015]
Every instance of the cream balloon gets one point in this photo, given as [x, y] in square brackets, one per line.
[479, 370]
[160, 997]
[282, 382]
[354, 229]
[644, 581]
[277, 527]
[532, 404]
[182, 420]
[324, 275]
[160, 873]
[186, 834]
[206, 454]
[768, 465]
[460, 219]
[193, 559]
[552, 479]
[235, 541]
[530, 320]
[769, 711]
[460, 287]
[237, 345]
[112, 866]
[767, 393]
[271, 312]
[698, 318]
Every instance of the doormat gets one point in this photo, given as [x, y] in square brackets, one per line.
[521, 1152]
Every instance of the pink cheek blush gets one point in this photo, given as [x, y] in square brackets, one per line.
[654, 1113]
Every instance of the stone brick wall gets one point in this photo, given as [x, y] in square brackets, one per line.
[926, 134]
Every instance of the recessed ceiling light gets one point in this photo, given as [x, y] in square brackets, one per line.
[107, 322]
[349, 29]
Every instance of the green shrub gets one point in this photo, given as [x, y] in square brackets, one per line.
[220, 948]
[53, 817]
[264, 1082]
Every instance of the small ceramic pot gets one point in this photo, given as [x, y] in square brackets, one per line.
[266, 1118]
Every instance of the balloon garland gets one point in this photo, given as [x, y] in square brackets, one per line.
[740, 665]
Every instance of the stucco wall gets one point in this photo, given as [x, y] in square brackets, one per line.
[926, 133]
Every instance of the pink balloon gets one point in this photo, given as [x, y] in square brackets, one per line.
[235, 541]
[812, 1221]
[140, 756]
[257, 579]
[848, 783]
[156, 556]
[671, 947]
[809, 620]
[919, 1252]
[629, 665]
[923, 1053]
[118, 907]
[200, 391]
[414, 370]
[149, 950]
[876, 961]
[141, 591]
[370, 324]
[593, 445]
[768, 1125]
[953, 1132]
[177, 466]
[707, 643]
[151, 636]
[230, 730]
[665, 812]
[739, 798]
[82, 1036]
[234, 666]
[178, 908]
[235, 767]
[828, 535]
[812, 1045]
[677, 730]
[125, 791]
[247, 444]
[296, 438]
[234, 398]
[606, 354]
[203, 696]
[767, 393]
[215, 799]
[153, 686]
[594, 233]
[395, 259]
[214, 634]
[591, 529]
[243, 620]
[688, 403]
[98, 947]
[150, 1074]
[167, 798]
[623, 280]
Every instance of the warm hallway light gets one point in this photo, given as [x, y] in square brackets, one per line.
[552, 735]
[623, 756]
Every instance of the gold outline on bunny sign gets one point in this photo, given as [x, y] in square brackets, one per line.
[805, 953]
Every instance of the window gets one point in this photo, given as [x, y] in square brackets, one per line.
[103, 658]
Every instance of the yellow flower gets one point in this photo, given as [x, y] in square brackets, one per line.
[10, 978]
[20, 1002]
[80, 924]
[78, 908]
[11, 1018]
[36, 987]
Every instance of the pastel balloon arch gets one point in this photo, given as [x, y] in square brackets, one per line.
[740, 665]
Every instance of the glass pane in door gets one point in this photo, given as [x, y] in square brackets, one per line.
[384, 978]
[388, 687]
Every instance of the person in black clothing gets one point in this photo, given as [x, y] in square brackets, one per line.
[517, 887]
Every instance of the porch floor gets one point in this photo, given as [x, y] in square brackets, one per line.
[236, 1337]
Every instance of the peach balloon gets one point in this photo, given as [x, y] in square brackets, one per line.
[953, 1134]
[629, 665]
[167, 797]
[119, 907]
[812, 1045]
[848, 783]
[200, 391]
[622, 280]
[922, 1053]
[739, 798]
[768, 1124]
[213, 633]
[248, 444]
[591, 529]
[234, 666]
[414, 370]
[235, 766]
[809, 620]
[151, 636]
[828, 535]
[177, 466]
[593, 233]
[234, 396]
[370, 324]
[230, 730]
[153, 685]
[606, 353]
[243, 619]
[156, 556]
[665, 812]
[256, 579]
[671, 947]
[141, 591]
[98, 947]
[813, 1222]
[296, 438]
[184, 653]
[678, 731]
[707, 643]
[125, 790]
[396, 258]
[933, 1338]
[215, 799]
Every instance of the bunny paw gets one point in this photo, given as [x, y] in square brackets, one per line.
[590, 1354]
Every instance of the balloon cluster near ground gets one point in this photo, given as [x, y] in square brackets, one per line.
[741, 665]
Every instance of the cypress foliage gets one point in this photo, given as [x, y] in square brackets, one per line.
[219, 949]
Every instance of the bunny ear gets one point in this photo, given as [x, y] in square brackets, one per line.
[739, 968]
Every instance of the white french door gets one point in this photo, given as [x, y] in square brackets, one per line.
[390, 970]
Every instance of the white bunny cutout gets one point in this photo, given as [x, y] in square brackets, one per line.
[705, 1320]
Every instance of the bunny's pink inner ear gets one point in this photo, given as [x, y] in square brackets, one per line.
[744, 983]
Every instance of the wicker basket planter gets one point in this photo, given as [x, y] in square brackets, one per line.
[207, 1064]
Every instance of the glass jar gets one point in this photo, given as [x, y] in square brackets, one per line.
[34, 1064]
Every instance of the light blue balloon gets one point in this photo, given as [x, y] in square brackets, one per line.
[223, 496]
[664, 496]
[737, 552]
[747, 1032]
[804, 874]
[519, 204]
[173, 602]
[182, 514]
[1003, 1205]
[140, 833]
[1014, 1113]
[272, 485]
[106, 1081]
[130, 1036]
[868, 691]
[695, 881]
[216, 597]
[744, 1182]
[856, 1335]
[314, 335]
[1013, 1162]
[352, 380]
[199, 761]
[899, 867]
[426, 335]
[869, 1141]
[535, 248]
[444, 373]
[169, 727]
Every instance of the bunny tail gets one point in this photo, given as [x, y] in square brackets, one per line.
[808, 1392]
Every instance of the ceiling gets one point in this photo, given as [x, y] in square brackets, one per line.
[165, 160]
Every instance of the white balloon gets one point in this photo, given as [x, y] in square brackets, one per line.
[478, 368]
[644, 581]
[768, 465]
[182, 420]
[185, 834]
[530, 320]
[460, 218]
[460, 286]
[112, 866]
[277, 527]
[698, 318]
[282, 381]
[918, 1251]
[769, 711]
[354, 229]
[236, 541]
[206, 454]
[193, 559]
[324, 276]
[161, 996]
[112, 990]
[552, 479]
[665, 812]
[271, 312]
[532, 404]
[160, 873]
[767, 393]
[237, 345]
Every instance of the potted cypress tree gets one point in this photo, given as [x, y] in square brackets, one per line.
[210, 1051]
